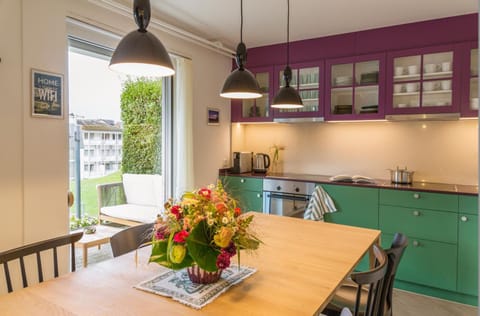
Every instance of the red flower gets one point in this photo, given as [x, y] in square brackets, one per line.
[206, 193]
[221, 208]
[180, 236]
[231, 250]
[175, 210]
[223, 260]
[237, 211]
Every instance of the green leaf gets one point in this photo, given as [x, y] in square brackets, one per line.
[160, 255]
[200, 249]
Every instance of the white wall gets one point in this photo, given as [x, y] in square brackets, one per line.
[437, 151]
[11, 127]
[34, 155]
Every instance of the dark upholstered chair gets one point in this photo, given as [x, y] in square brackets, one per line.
[36, 248]
[345, 295]
[131, 238]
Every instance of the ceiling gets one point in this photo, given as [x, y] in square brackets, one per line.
[265, 20]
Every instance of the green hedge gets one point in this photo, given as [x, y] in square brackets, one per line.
[142, 118]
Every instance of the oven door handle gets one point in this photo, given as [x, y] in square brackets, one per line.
[289, 197]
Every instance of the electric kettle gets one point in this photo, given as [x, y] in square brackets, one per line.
[261, 162]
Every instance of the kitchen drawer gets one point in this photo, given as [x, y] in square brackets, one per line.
[236, 183]
[468, 204]
[419, 223]
[427, 262]
[419, 199]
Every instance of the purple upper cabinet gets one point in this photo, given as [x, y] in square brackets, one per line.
[308, 79]
[256, 110]
[354, 88]
[469, 81]
[424, 80]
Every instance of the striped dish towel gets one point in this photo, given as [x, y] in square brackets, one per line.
[319, 204]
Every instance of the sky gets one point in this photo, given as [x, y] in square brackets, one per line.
[94, 90]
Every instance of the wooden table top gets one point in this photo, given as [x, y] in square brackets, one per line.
[299, 266]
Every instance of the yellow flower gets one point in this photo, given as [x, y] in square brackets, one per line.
[177, 253]
[223, 237]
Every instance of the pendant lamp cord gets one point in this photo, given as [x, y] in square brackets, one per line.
[241, 21]
[288, 31]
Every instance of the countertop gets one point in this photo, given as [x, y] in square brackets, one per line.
[379, 183]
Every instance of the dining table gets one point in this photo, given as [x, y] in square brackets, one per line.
[300, 264]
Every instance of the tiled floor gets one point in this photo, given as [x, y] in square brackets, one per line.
[404, 303]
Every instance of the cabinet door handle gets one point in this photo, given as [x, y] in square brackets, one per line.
[464, 219]
[416, 243]
[416, 196]
[416, 213]
[242, 180]
[259, 195]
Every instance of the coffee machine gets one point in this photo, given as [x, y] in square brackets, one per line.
[242, 162]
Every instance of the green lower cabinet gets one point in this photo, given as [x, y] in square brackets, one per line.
[426, 224]
[251, 201]
[468, 204]
[427, 262]
[239, 183]
[355, 206]
[468, 254]
[417, 199]
[246, 190]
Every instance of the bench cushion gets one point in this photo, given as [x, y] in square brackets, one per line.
[132, 212]
[143, 189]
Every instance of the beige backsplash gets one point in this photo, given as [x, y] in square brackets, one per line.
[437, 151]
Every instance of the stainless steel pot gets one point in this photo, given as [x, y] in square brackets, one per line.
[402, 176]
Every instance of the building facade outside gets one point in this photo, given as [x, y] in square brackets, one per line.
[97, 144]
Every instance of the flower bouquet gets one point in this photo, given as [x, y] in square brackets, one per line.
[202, 232]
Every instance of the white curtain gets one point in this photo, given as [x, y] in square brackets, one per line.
[182, 160]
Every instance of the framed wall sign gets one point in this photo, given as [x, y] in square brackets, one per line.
[213, 116]
[47, 94]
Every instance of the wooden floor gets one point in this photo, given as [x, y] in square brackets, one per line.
[410, 304]
[404, 303]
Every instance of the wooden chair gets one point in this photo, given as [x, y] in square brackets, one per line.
[345, 294]
[36, 248]
[131, 238]
[370, 281]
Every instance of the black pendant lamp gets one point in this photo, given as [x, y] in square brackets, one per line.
[140, 53]
[287, 97]
[241, 83]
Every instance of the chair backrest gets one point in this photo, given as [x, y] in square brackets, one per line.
[36, 248]
[131, 238]
[395, 253]
[374, 278]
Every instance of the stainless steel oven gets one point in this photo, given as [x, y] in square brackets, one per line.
[286, 197]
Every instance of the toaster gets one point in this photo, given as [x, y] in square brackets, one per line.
[242, 162]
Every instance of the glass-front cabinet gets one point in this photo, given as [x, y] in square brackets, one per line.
[256, 110]
[307, 78]
[469, 105]
[354, 88]
[423, 81]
